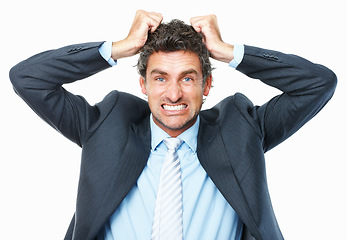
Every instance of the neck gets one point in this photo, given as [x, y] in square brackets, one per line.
[175, 132]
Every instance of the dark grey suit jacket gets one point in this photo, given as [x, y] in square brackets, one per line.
[115, 134]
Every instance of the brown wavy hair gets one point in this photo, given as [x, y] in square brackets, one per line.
[171, 37]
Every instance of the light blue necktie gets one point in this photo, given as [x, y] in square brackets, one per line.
[167, 222]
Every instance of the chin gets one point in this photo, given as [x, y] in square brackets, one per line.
[177, 124]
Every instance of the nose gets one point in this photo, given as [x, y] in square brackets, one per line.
[174, 92]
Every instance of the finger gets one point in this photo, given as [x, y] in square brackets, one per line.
[151, 19]
[157, 16]
[196, 23]
[206, 24]
[143, 16]
[200, 22]
[195, 19]
[155, 20]
[204, 20]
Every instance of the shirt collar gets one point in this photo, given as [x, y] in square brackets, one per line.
[189, 136]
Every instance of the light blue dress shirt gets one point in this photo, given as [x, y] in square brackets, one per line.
[206, 213]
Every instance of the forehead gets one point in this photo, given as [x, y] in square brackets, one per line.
[174, 62]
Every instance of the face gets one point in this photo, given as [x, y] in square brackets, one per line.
[175, 90]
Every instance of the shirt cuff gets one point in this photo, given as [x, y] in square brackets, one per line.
[239, 51]
[105, 51]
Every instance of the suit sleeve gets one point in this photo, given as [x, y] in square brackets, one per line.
[39, 79]
[306, 88]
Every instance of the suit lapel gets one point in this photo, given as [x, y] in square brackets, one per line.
[131, 165]
[214, 159]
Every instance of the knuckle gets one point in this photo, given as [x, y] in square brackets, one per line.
[140, 12]
[213, 17]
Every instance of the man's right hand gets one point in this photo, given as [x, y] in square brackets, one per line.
[137, 37]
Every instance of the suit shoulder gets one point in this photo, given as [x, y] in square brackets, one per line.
[117, 109]
[234, 104]
[124, 100]
[238, 101]
[232, 111]
[247, 109]
[244, 104]
[124, 105]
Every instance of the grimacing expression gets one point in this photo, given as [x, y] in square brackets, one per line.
[175, 89]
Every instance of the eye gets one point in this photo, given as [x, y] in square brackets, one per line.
[187, 79]
[160, 79]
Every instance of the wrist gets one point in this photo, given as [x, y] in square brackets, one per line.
[224, 52]
[122, 49]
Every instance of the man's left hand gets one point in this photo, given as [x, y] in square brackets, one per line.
[208, 25]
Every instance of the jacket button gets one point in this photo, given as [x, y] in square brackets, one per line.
[270, 56]
[74, 49]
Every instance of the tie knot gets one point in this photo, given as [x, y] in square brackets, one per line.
[173, 143]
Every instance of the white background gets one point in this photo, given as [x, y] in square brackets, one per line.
[39, 168]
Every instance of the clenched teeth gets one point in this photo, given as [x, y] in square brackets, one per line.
[174, 108]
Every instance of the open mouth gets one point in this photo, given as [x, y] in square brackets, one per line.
[174, 107]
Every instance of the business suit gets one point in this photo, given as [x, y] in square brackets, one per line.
[115, 134]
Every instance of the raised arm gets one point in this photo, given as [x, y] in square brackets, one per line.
[39, 80]
[306, 86]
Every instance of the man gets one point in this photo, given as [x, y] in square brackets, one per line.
[221, 172]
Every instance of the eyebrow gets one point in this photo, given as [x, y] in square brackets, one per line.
[158, 71]
[190, 71]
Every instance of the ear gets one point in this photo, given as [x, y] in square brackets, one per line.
[143, 85]
[208, 85]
